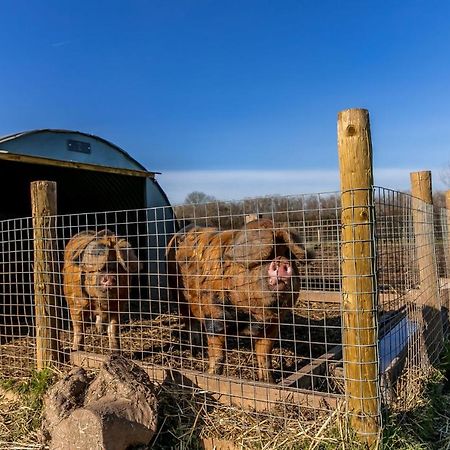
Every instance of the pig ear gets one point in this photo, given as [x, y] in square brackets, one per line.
[250, 247]
[127, 257]
[94, 256]
[292, 240]
[77, 245]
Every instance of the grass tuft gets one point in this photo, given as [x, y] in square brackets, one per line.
[21, 409]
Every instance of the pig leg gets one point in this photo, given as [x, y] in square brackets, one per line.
[214, 325]
[78, 332]
[192, 326]
[216, 345]
[113, 328]
[99, 324]
[263, 350]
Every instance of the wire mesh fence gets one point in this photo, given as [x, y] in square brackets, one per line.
[123, 289]
[243, 305]
[412, 314]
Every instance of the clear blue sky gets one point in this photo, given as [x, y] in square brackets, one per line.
[234, 93]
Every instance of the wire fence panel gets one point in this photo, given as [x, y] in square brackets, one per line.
[242, 303]
[443, 252]
[410, 306]
[242, 306]
[17, 354]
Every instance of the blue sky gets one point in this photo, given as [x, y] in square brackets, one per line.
[234, 98]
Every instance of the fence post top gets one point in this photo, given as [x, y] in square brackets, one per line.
[349, 111]
[421, 174]
[43, 182]
[422, 186]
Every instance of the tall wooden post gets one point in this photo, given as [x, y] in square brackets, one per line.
[445, 283]
[358, 269]
[43, 204]
[429, 298]
[447, 237]
[447, 205]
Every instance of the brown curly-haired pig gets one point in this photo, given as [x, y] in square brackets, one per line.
[219, 277]
[97, 275]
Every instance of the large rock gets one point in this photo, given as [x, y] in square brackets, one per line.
[115, 410]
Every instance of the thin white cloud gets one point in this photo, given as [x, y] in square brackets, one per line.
[61, 43]
[240, 184]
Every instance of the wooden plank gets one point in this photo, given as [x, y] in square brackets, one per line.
[304, 377]
[74, 165]
[320, 296]
[244, 394]
[384, 297]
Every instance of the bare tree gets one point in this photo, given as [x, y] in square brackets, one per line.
[445, 176]
[197, 198]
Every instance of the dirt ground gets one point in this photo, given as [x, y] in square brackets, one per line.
[308, 332]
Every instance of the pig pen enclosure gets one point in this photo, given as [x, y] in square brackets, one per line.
[323, 303]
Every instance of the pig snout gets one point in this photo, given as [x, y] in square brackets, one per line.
[107, 281]
[280, 273]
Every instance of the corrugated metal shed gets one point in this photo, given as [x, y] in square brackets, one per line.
[92, 173]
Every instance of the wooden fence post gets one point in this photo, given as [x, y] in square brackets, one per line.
[429, 297]
[445, 282]
[43, 204]
[447, 237]
[447, 204]
[359, 297]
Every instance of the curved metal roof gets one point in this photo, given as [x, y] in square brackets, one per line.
[52, 144]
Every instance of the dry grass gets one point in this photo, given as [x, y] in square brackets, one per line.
[421, 420]
[17, 429]
[186, 419]
[21, 409]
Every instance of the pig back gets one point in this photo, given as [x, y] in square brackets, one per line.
[197, 257]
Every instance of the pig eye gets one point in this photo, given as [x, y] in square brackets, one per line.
[98, 250]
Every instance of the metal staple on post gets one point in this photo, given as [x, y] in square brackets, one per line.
[43, 202]
[358, 274]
